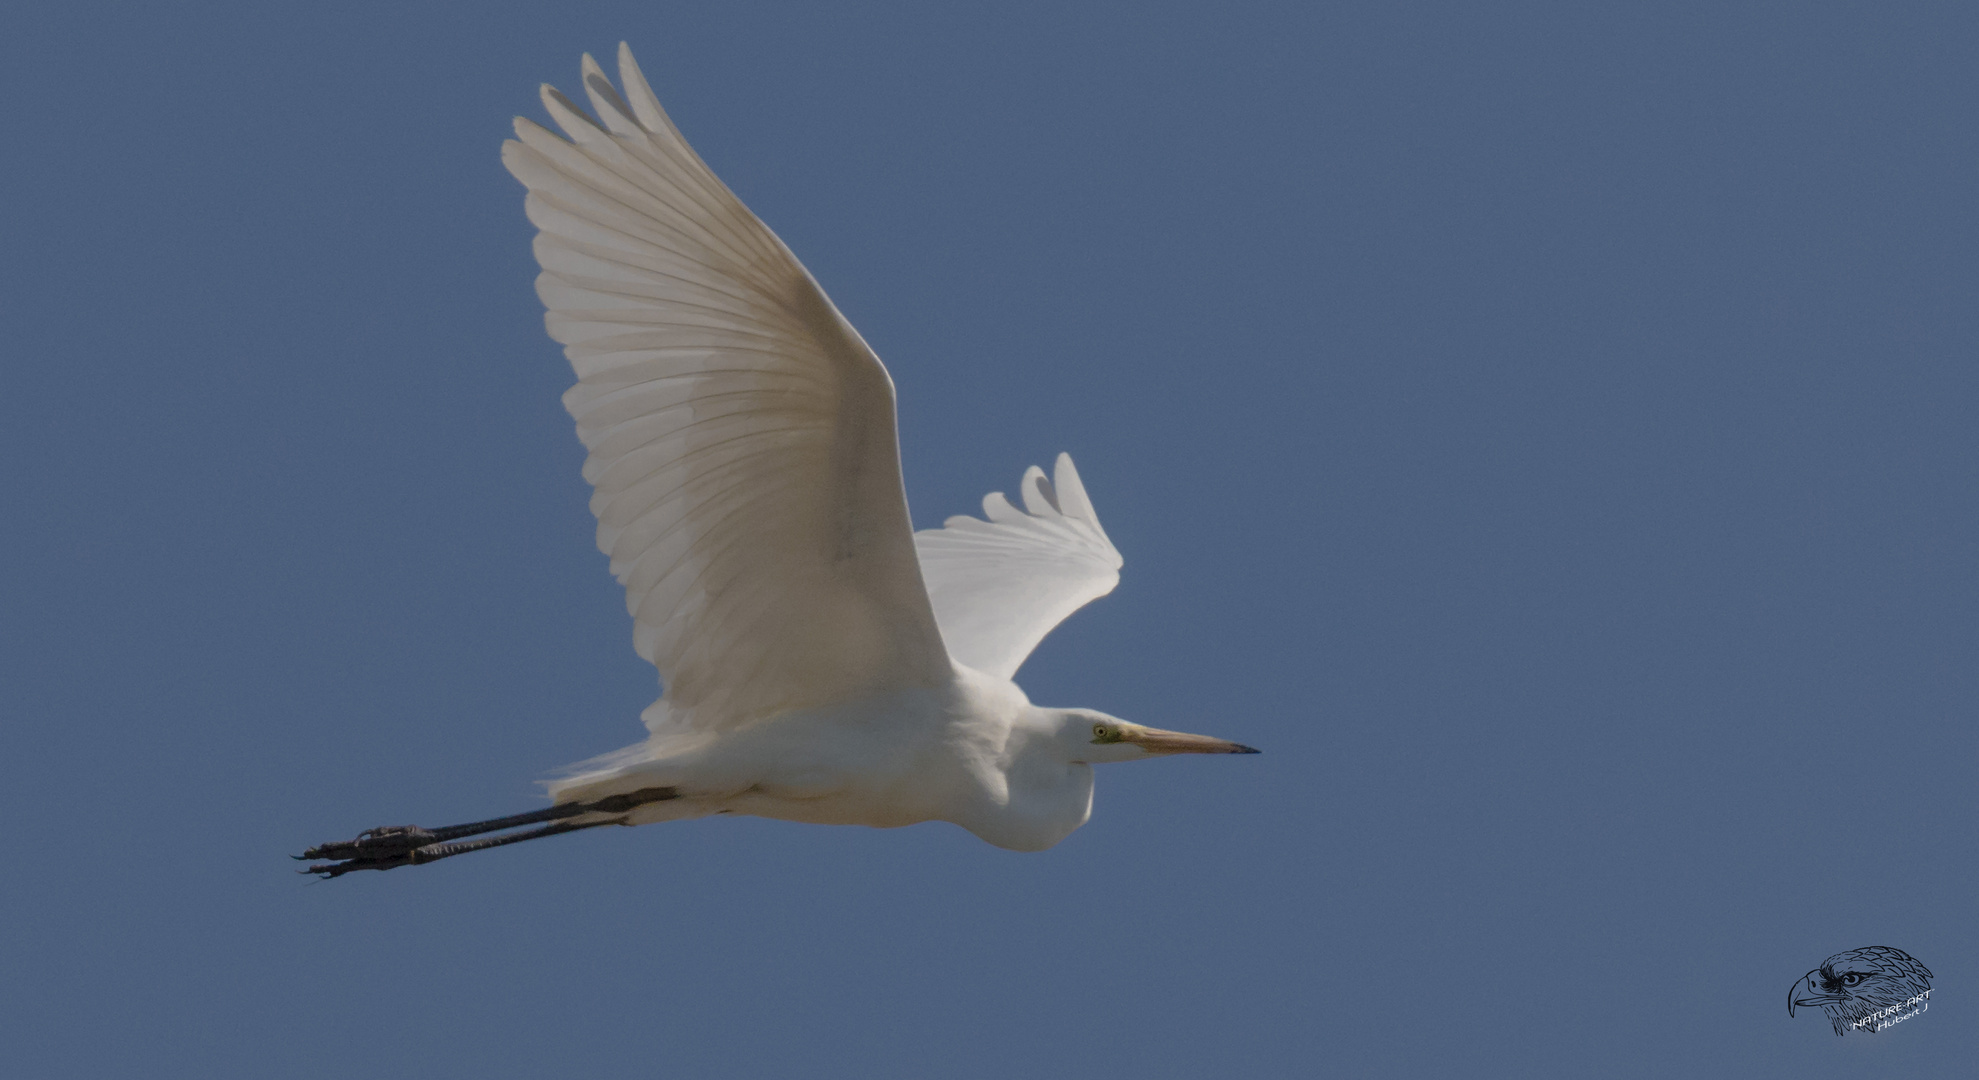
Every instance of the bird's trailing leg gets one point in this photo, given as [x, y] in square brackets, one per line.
[409, 845]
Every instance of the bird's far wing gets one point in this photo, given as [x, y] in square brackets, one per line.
[741, 433]
[999, 586]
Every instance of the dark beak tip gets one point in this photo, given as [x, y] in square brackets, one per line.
[1242, 749]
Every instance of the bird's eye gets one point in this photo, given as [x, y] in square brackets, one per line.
[1851, 979]
[1099, 731]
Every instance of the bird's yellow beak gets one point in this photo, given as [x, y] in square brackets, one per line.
[1157, 741]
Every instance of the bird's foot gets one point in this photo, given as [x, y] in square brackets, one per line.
[382, 842]
[374, 849]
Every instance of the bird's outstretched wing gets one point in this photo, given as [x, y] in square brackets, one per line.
[741, 433]
[999, 586]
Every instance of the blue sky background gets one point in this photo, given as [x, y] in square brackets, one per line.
[1546, 429]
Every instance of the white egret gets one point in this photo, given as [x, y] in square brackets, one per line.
[821, 661]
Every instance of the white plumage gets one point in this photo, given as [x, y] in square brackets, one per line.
[821, 662]
[1000, 585]
[741, 433]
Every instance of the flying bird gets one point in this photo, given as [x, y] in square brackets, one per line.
[820, 661]
[1865, 989]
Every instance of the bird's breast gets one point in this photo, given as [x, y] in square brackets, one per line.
[885, 762]
[961, 754]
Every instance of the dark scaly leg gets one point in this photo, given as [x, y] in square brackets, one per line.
[409, 845]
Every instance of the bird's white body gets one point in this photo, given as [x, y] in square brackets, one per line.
[975, 752]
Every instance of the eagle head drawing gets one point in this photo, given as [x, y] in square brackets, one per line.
[1852, 985]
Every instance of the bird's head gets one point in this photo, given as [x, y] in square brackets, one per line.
[1096, 738]
[1851, 985]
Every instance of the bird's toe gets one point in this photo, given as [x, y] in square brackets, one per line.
[374, 849]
